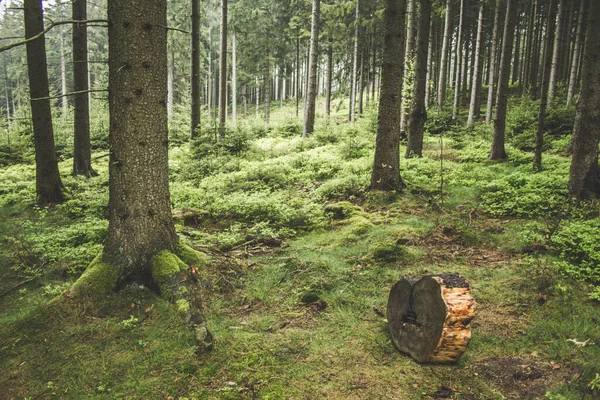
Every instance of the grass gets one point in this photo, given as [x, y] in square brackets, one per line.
[303, 260]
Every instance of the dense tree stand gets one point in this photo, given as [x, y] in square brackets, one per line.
[141, 244]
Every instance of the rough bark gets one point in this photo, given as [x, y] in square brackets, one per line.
[48, 184]
[309, 111]
[441, 98]
[223, 72]
[418, 111]
[556, 53]
[234, 77]
[409, 57]
[492, 63]
[170, 82]
[459, 55]
[429, 319]
[329, 79]
[195, 72]
[544, 95]
[82, 153]
[529, 46]
[576, 54]
[353, 80]
[497, 151]
[386, 166]
[584, 179]
[477, 62]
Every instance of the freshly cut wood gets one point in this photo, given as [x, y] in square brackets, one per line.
[429, 319]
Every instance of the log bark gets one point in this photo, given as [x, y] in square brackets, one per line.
[429, 319]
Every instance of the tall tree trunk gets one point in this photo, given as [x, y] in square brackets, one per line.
[234, 78]
[476, 78]
[170, 82]
[529, 46]
[64, 102]
[386, 166]
[497, 151]
[141, 244]
[418, 112]
[409, 57]
[584, 179]
[309, 113]
[517, 55]
[544, 95]
[444, 60]
[492, 63]
[329, 78]
[430, 59]
[297, 88]
[459, 43]
[195, 77]
[82, 154]
[353, 80]
[361, 86]
[47, 179]
[223, 72]
[556, 51]
[267, 85]
[576, 54]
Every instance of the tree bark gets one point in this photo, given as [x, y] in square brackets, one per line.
[429, 319]
[529, 46]
[234, 77]
[584, 179]
[409, 57]
[544, 95]
[223, 72]
[82, 153]
[459, 55]
[497, 151]
[309, 112]
[353, 81]
[556, 51]
[329, 79]
[492, 63]
[48, 184]
[170, 82]
[386, 166]
[418, 111]
[476, 78]
[576, 54]
[195, 73]
[444, 59]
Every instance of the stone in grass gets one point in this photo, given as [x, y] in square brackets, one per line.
[429, 319]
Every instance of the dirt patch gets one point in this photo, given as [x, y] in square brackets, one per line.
[519, 378]
[500, 320]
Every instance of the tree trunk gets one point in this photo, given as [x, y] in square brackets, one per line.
[418, 112]
[445, 52]
[492, 63]
[476, 78]
[529, 46]
[170, 82]
[430, 59]
[309, 112]
[234, 78]
[516, 55]
[329, 79]
[544, 95]
[576, 54]
[195, 74]
[556, 51]
[409, 57]
[386, 166]
[297, 88]
[82, 153]
[459, 42]
[497, 151]
[47, 180]
[223, 72]
[429, 319]
[141, 244]
[584, 179]
[267, 85]
[353, 80]
[64, 101]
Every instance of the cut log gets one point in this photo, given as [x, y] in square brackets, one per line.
[429, 319]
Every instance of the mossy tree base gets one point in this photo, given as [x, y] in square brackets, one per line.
[173, 275]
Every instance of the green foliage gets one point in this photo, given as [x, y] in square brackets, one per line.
[578, 243]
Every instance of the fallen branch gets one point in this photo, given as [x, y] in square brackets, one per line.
[16, 286]
[58, 96]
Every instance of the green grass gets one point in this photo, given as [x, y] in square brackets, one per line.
[345, 247]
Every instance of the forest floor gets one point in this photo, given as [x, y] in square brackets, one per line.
[303, 261]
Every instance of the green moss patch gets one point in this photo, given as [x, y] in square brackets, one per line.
[100, 278]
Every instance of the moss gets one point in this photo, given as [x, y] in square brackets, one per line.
[183, 306]
[359, 225]
[164, 265]
[343, 210]
[190, 256]
[99, 278]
